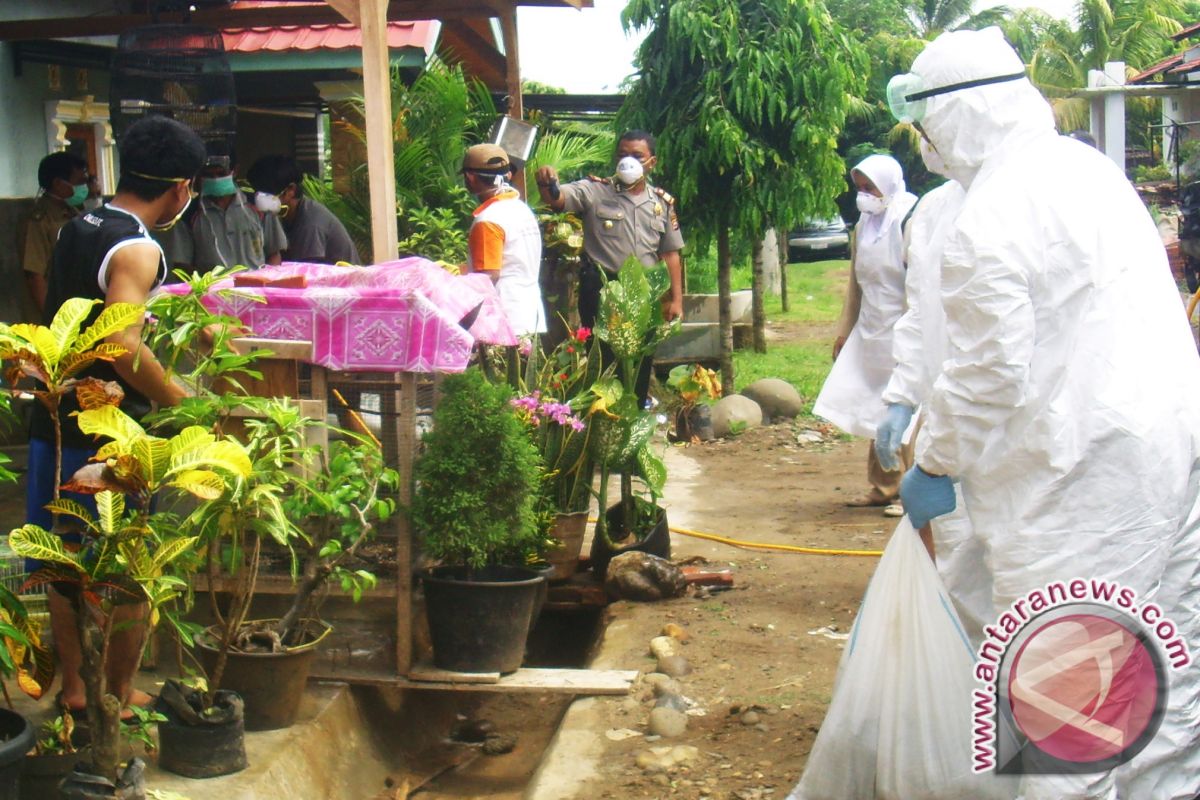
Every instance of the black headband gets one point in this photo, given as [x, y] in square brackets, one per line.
[954, 87]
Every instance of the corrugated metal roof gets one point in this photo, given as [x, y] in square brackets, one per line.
[323, 37]
[1159, 68]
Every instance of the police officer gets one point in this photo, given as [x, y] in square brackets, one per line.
[622, 217]
[63, 178]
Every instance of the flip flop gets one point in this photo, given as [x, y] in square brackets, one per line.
[893, 510]
[868, 501]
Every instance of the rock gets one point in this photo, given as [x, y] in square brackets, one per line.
[676, 632]
[683, 754]
[667, 722]
[750, 718]
[663, 646]
[472, 731]
[674, 666]
[668, 700]
[649, 761]
[497, 744]
[641, 576]
[661, 684]
[666, 758]
[734, 414]
[777, 398]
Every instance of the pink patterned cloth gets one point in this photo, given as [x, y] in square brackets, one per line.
[399, 316]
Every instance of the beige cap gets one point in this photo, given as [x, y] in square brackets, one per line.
[485, 158]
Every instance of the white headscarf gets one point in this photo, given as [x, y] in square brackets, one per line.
[888, 176]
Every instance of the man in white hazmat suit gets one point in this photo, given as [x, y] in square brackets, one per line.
[1066, 402]
[919, 346]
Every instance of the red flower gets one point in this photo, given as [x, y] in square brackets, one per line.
[570, 349]
[583, 334]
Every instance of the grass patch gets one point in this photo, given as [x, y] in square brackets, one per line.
[815, 293]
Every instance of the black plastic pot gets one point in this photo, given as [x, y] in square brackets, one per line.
[16, 738]
[547, 571]
[479, 619]
[41, 775]
[270, 684]
[654, 539]
[196, 744]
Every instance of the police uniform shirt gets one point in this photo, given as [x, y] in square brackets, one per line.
[238, 235]
[617, 225]
[316, 236]
[47, 217]
[79, 268]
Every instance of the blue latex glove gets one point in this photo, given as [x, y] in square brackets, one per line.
[926, 496]
[889, 434]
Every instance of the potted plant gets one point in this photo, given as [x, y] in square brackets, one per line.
[477, 482]
[553, 404]
[693, 389]
[631, 323]
[326, 511]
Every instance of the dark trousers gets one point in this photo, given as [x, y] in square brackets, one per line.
[590, 284]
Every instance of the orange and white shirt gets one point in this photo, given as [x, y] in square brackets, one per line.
[505, 237]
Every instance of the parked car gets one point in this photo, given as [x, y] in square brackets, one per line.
[819, 240]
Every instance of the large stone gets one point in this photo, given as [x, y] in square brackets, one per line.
[667, 722]
[641, 576]
[663, 646]
[777, 398]
[735, 414]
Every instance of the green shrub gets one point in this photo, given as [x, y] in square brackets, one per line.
[478, 478]
[1151, 172]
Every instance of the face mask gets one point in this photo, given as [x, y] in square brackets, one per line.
[218, 187]
[629, 170]
[163, 227]
[267, 203]
[78, 195]
[933, 159]
[870, 204]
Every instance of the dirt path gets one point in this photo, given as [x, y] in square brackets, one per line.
[772, 644]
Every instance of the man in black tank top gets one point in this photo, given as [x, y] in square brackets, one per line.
[108, 254]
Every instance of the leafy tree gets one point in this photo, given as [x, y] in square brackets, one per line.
[747, 98]
[537, 87]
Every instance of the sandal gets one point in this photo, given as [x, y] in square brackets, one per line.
[871, 500]
[893, 510]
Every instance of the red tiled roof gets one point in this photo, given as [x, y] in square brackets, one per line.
[1159, 68]
[1187, 32]
[1188, 67]
[322, 37]
[319, 37]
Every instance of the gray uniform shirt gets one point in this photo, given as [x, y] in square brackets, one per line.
[617, 225]
[235, 236]
[316, 236]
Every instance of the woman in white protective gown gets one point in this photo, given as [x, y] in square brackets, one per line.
[852, 395]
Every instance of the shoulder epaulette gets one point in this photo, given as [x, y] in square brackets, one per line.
[665, 195]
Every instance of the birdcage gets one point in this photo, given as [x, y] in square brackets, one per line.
[177, 71]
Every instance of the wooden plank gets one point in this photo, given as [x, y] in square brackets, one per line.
[262, 17]
[426, 671]
[348, 9]
[461, 43]
[283, 585]
[532, 680]
[278, 348]
[406, 443]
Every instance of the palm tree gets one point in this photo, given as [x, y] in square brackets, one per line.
[1134, 31]
[931, 17]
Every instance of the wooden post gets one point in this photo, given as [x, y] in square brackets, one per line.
[406, 443]
[512, 63]
[377, 98]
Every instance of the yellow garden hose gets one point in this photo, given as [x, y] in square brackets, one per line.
[1191, 307]
[784, 548]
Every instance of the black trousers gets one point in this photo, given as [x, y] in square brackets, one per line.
[590, 284]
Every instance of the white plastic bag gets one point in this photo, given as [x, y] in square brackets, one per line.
[899, 724]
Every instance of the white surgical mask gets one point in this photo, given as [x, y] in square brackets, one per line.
[870, 204]
[933, 159]
[267, 203]
[629, 170]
